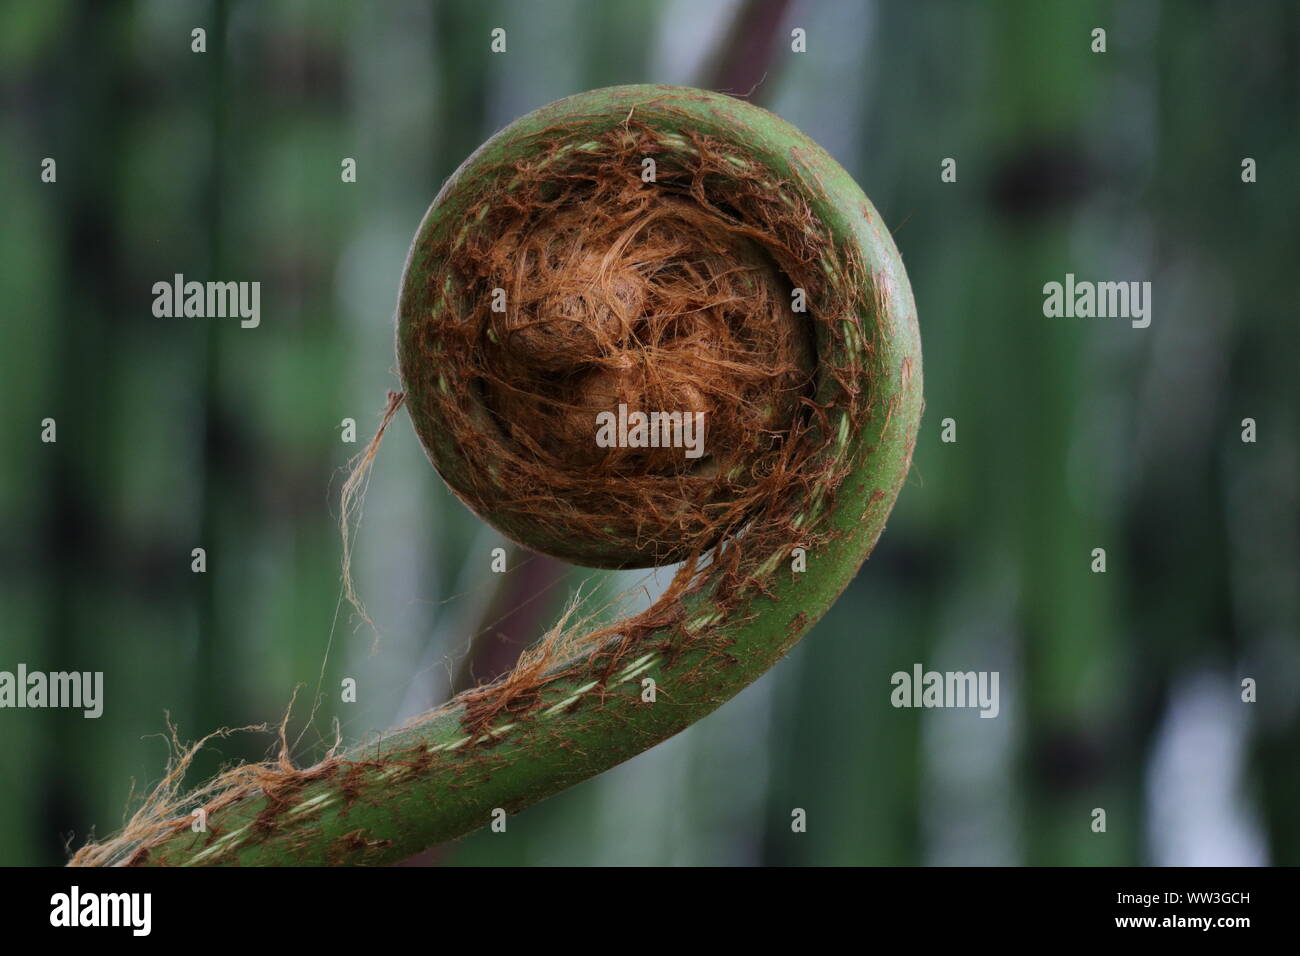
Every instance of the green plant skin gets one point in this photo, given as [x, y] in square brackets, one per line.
[393, 797]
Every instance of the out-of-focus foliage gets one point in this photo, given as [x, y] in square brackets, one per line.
[1119, 690]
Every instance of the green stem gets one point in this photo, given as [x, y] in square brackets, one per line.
[435, 781]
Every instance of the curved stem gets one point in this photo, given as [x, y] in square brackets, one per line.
[703, 642]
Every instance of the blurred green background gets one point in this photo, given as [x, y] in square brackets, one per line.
[1118, 690]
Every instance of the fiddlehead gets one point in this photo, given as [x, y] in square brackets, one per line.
[551, 280]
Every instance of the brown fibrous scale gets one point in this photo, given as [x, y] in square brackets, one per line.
[574, 287]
